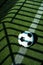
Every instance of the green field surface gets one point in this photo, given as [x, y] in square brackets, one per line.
[16, 17]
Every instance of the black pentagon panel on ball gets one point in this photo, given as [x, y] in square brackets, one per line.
[26, 39]
[29, 34]
[29, 43]
[22, 39]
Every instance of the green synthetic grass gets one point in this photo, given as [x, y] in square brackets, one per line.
[8, 61]
[3, 54]
[22, 22]
[35, 54]
[30, 62]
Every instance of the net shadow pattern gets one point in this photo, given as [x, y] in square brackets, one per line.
[5, 7]
[7, 36]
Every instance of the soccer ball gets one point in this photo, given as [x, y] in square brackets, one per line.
[26, 39]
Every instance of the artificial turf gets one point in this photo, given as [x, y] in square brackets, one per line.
[16, 18]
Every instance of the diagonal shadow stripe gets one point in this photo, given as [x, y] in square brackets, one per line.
[30, 3]
[4, 59]
[8, 42]
[24, 20]
[26, 56]
[20, 20]
[26, 27]
[29, 57]
[23, 26]
[18, 10]
[33, 4]
[35, 1]
[19, 45]
[1, 30]
[2, 38]
[23, 11]
[23, 31]
[17, 37]
[9, 4]
[30, 12]
[24, 16]
[17, 53]
[29, 16]
[24, 49]
[3, 48]
[39, 43]
[19, 31]
[30, 7]
[35, 50]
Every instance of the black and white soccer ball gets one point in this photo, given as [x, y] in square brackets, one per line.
[26, 39]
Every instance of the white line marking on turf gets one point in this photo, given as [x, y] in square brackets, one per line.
[19, 58]
[36, 20]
